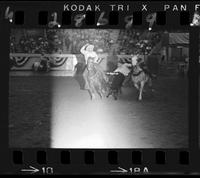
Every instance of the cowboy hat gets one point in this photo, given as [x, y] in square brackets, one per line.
[90, 47]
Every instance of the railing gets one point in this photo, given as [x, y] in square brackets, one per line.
[63, 62]
[24, 61]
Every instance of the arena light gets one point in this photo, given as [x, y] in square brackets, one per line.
[78, 123]
[85, 123]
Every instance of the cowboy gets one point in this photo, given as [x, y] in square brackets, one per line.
[120, 73]
[137, 60]
[44, 63]
[90, 55]
[88, 51]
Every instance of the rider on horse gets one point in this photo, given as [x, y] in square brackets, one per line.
[93, 74]
[141, 64]
[88, 51]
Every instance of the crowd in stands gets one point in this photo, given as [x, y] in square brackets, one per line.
[28, 45]
[70, 41]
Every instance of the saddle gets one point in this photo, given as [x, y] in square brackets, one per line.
[144, 69]
[137, 73]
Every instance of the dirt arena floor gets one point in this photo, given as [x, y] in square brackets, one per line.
[46, 111]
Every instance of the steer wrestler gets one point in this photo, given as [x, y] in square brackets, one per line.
[120, 73]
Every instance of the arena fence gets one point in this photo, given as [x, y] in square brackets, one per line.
[62, 64]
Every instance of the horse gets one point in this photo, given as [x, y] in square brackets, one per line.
[139, 77]
[96, 80]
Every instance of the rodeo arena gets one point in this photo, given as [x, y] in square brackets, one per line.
[106, 88]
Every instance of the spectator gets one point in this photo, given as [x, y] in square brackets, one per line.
[163, 55]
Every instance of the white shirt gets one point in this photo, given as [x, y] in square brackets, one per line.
[88, 54]
[134, 60]
[123, 69]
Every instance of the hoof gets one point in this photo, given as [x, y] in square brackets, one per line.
[108, 95]
[115, 97]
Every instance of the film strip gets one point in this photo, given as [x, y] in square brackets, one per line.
[108, 88]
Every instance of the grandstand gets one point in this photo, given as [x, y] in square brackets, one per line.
[111, 42]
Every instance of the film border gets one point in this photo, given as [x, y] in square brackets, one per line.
[102, 166]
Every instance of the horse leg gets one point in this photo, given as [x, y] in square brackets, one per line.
[120, 90]
[92, 95]
[109, 92]
[100, 94]
[136, 86]
[141, 90]
[115, 94]
[103, 89]
[91, 91]
[98, 89]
